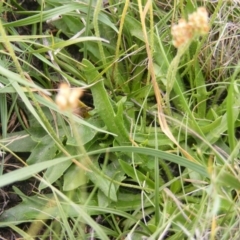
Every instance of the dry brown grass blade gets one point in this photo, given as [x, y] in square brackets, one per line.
[160, 102]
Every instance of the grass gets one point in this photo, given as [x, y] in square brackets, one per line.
[152, 152]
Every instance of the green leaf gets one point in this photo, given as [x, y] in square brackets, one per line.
[202, 93]
[216, 133]
[58, 11]
[128, 202]
[66, 43]
[76, 119]
[106, 186]
[19, 142]
[85, 133]
[159, 154]
[28, 209]
[227, 179]
[46, 15]
[29, 171]
[103, 105]
[136, 175]
[150, 140]
[54, 173]
[45, 149]
[232, 112]
[37, 207]
[103, 201]
[14, 80]
[73, 178]
[47, 207]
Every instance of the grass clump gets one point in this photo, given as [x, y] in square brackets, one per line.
[120, 118]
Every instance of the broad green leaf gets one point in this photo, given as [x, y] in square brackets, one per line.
[69, 25]
[40, 207]
[215, 134]
[45, 207]
[29, 171]
[206, 128]
[29, 208]
[112, 170]
[74, 177]
[103, 105]
[19, 142]
[128, 202]
[84, 133]
[150, 140]
[103, 200]
[45, 149]
[105, 185]
[52, 174]
[227, 179]
[136, 175]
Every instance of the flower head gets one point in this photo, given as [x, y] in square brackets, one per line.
[67, 98]
[184, 31]
[181, 33]
[199, 21]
